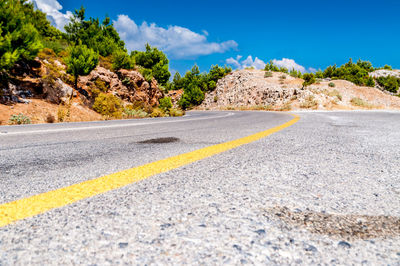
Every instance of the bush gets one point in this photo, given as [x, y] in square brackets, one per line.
[387, 67]
[268, 74]
[192, 96]
[101, 85]
[309, 78]
[389, 83]
[294, 73]
[353, 72]
[360, 102]
[282, 77]
[135, 113]
[121, 60]
[154, 60]
[81, 61]
[19, 119]
[165, 104]
[309, 103]
[157, 112]
[271, 67]
[176, 112]
[331, 84]
[336, 94]
[108, 105]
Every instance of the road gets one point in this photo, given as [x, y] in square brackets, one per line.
[325, 189]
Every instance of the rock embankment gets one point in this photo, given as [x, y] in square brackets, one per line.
[252, 89]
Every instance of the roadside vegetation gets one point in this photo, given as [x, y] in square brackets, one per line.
[25, 33]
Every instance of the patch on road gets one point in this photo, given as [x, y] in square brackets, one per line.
[159, 140]
[337, 225]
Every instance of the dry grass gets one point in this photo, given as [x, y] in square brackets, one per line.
[361, 103]
[335, 93]
[309, 103]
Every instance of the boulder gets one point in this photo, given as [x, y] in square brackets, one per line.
[57, 92]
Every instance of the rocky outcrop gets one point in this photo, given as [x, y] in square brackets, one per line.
[250, 88]
[175, 96]
[385, 73]
[129, 85]
[57, 91]
[144, 91]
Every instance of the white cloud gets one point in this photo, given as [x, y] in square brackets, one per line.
[289, 64]
[178, 41]
[248, 62]
[53, 8]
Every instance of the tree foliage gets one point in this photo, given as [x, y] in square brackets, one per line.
[102, 37]
[354, 72]
[389, 83]
[195, 84]
[81, 60]
[19, 39]
[154, 60]
[121, 60]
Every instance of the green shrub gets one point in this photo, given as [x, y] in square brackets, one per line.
[268, 74]
[331, 84]
[309, 78]
[358, 73]
[165, 104]
[271, 67]
[108, 105]
[81, 61]
[294, 73]
[155, 61]
[282, 77]
[389, 83]
[19, 119]
[121, 60]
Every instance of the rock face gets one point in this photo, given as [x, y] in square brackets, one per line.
[129, 85]
[175, 96]
[250, 88]
[57, 91]
[385, 73]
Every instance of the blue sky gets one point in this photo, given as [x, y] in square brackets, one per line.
[305, 35]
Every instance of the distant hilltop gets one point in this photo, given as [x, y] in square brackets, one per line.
[251, 89]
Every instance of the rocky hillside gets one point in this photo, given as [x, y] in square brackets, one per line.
[42, 89]
[253, 89]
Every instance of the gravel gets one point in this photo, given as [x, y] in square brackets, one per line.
[324, 191]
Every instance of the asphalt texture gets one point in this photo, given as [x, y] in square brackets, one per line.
[325, 190]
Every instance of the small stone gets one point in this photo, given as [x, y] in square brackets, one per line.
[237, 247]
[123, 245]
[344, 244]
[311, 248]
[260, 232]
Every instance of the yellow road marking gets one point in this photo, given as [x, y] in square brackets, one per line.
[31, 206]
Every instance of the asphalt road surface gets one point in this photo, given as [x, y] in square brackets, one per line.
[324, 190]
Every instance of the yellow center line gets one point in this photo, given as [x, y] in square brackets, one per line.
[34, 205]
